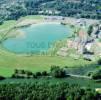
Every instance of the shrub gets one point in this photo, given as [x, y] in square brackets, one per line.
[2, 77]
[16, 71]
[29, 74]
[22, 72]
[99, 62]
[34, 76]
[97, 74]
[44, 73]
[1, 22]
[38, 74]
[90, 30]
[13, 76]
[57, 72]
[89, 73]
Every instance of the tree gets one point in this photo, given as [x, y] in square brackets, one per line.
[96, 74]
[16, 71]
[45, 91]
[29, 74]
[57, 72]
[90, 30]
[1, 22]
[2, 77]
[38, 74]
[44, 73]
[99, 62]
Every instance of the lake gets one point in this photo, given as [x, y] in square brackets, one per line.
[37, 38]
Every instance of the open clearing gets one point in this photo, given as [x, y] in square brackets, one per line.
[10, 61]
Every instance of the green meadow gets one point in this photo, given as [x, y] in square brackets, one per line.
[34, 63]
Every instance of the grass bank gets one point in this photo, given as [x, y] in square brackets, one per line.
[10, 61]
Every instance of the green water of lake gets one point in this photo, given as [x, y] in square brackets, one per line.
[37, 38]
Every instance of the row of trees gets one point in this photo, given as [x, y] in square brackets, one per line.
[28, 74]
[46, 91]
[55, 71]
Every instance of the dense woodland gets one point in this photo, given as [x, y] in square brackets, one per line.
[72, 8]
[46, 91]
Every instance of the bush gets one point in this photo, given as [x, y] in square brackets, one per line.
[57, 72]
[89, 73]
[99, 62]
[44, 73]
[2, 77]
[13, 76]
[97, 74]
[90, 30]
[34, 76]
[1, 22]
[38, 74]
[29, 74]
[16, 71]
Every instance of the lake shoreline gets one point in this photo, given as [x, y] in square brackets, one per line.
[36, 22]
[52, 19]
[58, 33]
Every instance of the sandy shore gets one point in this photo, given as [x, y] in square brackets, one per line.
[74, 20]
[21, 34]
[42, 23]
[36, 22]
[31, 23]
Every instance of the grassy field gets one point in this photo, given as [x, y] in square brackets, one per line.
[7, 24]
[10, 61]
